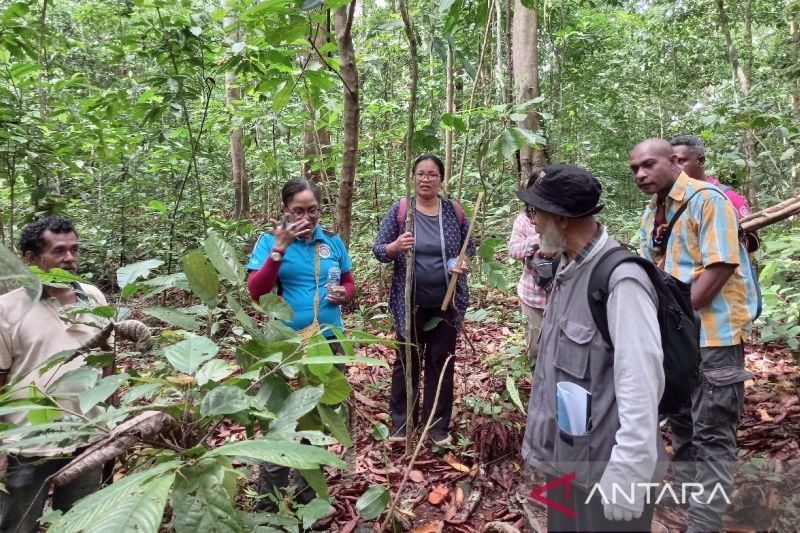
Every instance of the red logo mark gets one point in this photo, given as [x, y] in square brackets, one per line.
[538, 494]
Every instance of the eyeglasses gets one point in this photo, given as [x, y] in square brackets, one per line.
[300, 213]
[530, 211]
[424, 176]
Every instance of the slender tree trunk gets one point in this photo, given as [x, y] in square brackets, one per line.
[317, 141]
[412, 105]
[795, 96]
[343, 18]
[478, 70]
[743, 77]
[233, 95]
[448, 134]
[498, 62]
[526, 76]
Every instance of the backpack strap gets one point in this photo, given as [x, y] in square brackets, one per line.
[459, 211]
[402, 212]
[598, 284]
[683, 208]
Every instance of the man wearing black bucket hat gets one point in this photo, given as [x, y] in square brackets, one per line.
[592, 423]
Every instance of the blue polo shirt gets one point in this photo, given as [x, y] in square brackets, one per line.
[296, 275]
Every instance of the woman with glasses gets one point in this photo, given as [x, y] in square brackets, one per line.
[296, 259]
[310, 269]
[440, 228]
[524, 245]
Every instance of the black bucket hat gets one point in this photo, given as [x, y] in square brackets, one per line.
[564, 190]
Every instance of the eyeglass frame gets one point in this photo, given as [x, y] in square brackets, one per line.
[530, 211]
[299, 212]
[424, 175]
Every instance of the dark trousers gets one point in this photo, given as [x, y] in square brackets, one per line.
[588, 516]
[434, 346]
[704, 434]
[28, 485]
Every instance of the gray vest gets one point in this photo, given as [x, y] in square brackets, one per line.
[571, 348]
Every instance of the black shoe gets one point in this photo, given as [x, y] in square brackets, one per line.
[440, 437]
[397, 434]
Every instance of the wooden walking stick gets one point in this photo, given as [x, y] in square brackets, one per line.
[451, 287]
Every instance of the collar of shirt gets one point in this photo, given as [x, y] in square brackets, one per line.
[583, 254]
[677, 192]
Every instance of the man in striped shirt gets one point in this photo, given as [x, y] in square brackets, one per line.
[704, 251]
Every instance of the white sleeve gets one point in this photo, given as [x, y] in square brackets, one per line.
[638, 384]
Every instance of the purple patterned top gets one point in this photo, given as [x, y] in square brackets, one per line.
[454, 234]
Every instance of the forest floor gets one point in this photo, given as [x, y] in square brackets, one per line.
[443, 482]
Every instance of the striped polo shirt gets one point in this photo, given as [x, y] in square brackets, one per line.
[706, 233]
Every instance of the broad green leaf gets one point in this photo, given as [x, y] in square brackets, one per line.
[273, 393]
[100, 392]
[333, 421]
[202, 498]
[140, 391]
[77, 380]
[134, 503]
[214, 370]
[187, 356]
[316, 437]
[39, 417]
[174, 317]
[511, 387]
[224, 400]
[299, 403]
[432, 323]
[314, 510]
[380, 432]
[130, 273]
[22, 406]
[202, 277]
[275, 306]
[373, 502]
[244, 319]
[316, 479]
[223, 256]
[282, 97]
[319, 346]
[337, 389]
[289, 454]
[56, 276]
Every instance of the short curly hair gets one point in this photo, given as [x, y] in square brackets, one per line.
[32, 237]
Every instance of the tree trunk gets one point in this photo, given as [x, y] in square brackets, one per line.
[795, 96]
[233, 95]
[317, 141]
[343, 18]
[743, 76]
[448, 134]
[525, 51]
[412, 105]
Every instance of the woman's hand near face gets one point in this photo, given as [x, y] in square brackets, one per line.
[285, 235]
[400, 245]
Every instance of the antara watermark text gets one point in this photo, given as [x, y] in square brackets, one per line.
[657, 493]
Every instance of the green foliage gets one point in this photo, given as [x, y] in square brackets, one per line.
[780, 260]
[195, 382]
[373, 502]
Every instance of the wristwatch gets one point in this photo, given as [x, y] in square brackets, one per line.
[276, 255]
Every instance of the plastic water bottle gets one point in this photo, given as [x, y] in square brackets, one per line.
[334, 276]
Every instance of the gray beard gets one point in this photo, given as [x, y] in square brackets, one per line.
[552, 241]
